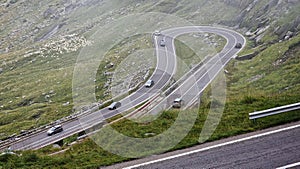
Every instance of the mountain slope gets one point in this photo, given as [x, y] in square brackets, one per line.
[40, 41]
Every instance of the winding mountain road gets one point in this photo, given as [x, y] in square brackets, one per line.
[165, 70]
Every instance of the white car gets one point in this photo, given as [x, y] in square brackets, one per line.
[149, 83]
[114, 106]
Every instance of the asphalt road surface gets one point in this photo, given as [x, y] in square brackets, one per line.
[270, 148]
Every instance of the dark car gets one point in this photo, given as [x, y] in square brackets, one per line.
[54, 130]
[162, 43]
[114, 105]
[238, 45]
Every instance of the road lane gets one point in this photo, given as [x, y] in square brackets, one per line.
[270, 151]
[269, 148]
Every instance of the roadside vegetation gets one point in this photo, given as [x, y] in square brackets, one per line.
[245, 94]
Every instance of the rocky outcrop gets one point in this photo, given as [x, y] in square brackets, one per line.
[261, 18]
[290, 53]
[237, 3]
[247, 56]
[48, 22]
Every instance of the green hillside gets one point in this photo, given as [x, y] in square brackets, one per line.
[40, 42]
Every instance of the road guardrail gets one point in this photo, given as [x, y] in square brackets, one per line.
[273, 111]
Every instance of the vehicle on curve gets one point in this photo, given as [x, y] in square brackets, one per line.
[163, 43]
[238, 45]
[157, 33]
[149, 83]
[54, 130]
[114, 105]
[177, 103]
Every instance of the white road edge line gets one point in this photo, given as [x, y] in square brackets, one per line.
[290, 166]
[216, 146]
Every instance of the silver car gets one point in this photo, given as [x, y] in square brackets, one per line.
[162, 43]
[54, 130]
[177, 103]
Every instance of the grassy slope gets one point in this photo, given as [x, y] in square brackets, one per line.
[25, 106]
[266, 72]
[241, 99]
[194, 49]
